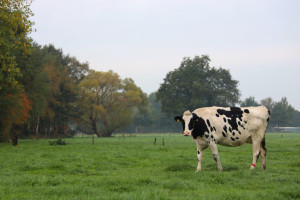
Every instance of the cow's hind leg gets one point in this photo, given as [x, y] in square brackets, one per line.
[263, 153]
[215, 153]
[256, 151]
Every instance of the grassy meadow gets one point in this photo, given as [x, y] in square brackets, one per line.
[135, 168]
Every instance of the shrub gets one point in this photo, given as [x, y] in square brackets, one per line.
[59, 141]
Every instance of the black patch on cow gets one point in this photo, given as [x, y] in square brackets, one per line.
[215, 129]
[211, 136]
[240, 132]
[198, 152]
[239, 122]
[225, 128]
[233, 133]
[263, 144]
[217, 115]
[224, 119]
[178, 118]
[245, 122]
[206, 136]
[269, 112]
[199, 127]
[191, 124]
[232, 138]
[211, 129]
[233, 114]
[224, 134]
[237, 138]
[208, 123]
[246, 111]
[183, 125]
[268, 119]
[230, 129]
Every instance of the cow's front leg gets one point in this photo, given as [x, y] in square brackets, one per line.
[215, 153]
[199, 156]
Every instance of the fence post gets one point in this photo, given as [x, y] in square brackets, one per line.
[154, 141]
[93, 140]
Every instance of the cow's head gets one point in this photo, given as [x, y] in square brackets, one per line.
[188, 120]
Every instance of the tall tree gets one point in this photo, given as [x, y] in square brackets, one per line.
[36, 85]
[195, 84]
[15, 27]
[250, 101]
[268, 103]
[108, 102]
[282, 113]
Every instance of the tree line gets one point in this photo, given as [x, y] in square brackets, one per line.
[45, 93]
[196, 84]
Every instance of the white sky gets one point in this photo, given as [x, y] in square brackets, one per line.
[257, 40]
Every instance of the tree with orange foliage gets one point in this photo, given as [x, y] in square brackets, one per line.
[17, 112]
[108, 103]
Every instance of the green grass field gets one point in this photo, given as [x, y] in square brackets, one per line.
[133, 168]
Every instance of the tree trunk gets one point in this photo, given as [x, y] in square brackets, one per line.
[37, 134]
[94, 125]
[15, 137]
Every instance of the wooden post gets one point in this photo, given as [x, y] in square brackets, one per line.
[154, 141]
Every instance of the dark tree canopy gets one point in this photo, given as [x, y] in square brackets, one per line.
[282, 113]
[195, 84]
[250, 101]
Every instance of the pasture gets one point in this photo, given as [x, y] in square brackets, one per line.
[134, 168]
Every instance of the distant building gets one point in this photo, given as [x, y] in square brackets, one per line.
[286, 129]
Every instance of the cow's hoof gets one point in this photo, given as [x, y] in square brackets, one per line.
[252, 168]
[220, 169]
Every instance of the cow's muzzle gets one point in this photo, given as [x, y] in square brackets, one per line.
[186, 133]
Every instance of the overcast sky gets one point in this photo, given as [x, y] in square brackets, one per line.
[257, 40]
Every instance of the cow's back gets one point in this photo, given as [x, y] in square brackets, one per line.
[233, 126]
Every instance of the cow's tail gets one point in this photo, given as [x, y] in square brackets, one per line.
[263, 142]
[268, 118]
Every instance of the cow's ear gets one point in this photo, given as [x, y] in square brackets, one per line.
[178, 118]
[195, 117]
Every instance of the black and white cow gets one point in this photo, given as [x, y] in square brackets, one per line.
[231, 126]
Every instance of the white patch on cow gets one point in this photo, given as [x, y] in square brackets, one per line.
[187, 116]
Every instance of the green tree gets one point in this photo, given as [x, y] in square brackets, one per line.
[53, 88]
[282, 113]
[15, 27]
[296, 119]
[268, 103]
[153, 120]
[108, 103]
[250, 101]
[36, 85]
[195, 84]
